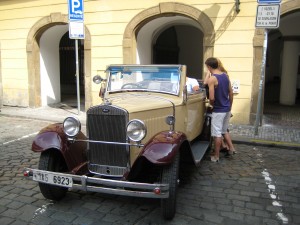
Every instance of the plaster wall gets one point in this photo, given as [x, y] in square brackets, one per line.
[235, 40]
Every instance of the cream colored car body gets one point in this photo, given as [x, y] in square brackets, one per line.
[153, 108]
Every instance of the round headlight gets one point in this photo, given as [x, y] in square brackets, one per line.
[71, 126]
[136, 130]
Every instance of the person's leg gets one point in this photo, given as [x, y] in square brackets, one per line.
[218, 142]
[224, 146]
[216, 132]
[226, 134]
[229, 141]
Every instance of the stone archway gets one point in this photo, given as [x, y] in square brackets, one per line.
[258, 40]
[33, 58]
[167, 9]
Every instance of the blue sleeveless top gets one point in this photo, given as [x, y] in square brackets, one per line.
[222, 102]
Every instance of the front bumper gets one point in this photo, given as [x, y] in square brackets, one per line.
[107, 186]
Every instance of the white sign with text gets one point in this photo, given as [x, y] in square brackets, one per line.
[268, 16]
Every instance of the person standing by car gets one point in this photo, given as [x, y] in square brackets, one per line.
[224, 145]
[221, 98]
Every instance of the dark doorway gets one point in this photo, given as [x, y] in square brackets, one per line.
[273, 68]
[180, 44]
[67, 60]
[166, 50]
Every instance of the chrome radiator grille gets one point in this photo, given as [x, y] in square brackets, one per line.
[107, 123]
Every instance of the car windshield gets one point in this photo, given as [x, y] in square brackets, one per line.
[163, 79]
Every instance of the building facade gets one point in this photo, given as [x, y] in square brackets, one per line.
[37, 59]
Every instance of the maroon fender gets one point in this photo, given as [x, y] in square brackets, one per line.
[161, 148]
[53, 137]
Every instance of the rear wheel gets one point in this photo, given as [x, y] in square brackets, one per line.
[52, 160]
[170, 176]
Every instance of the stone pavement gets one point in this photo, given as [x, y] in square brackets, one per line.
[271, 135]
[259, 185]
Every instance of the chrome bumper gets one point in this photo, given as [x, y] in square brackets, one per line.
[108, 186]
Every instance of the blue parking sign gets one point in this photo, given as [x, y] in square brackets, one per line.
[75, 10]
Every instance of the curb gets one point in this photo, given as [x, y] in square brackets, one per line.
[266, 143]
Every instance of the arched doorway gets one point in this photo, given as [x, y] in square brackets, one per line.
[143, 31]
[40, 30]
[282, 78]
[275, 112]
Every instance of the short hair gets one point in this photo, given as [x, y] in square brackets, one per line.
[212, 62]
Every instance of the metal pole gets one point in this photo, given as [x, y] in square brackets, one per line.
[261, 84]
[77, 76]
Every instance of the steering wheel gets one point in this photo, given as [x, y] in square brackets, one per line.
[166, 89]
[130, 86]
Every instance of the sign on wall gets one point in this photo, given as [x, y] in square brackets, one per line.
[76, 18]
[235, 86]
[75, 9]
[267, 16]
[76, 30]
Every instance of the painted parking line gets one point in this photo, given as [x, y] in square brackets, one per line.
[21, 138]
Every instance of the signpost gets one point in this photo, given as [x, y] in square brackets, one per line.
[76, 31]
[267, 17]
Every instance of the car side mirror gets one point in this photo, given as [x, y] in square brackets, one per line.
[98, 79]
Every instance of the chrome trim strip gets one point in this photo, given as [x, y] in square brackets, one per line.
[109, 186]
[107, 142]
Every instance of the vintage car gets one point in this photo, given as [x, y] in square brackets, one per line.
[146, 128]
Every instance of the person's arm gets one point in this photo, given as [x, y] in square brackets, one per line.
[230, 94]
[211, 86]
[207, 76]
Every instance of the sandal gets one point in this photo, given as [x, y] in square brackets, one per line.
[214, 159]
[230, 153]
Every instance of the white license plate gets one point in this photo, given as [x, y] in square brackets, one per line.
[49, 178]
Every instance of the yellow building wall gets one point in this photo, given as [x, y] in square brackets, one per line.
[106, 21]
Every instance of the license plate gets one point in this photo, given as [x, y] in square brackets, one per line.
[50, 178]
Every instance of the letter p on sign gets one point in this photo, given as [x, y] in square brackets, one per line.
[75, 5]
[75, 10]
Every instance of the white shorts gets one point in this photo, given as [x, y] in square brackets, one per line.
[219, 123]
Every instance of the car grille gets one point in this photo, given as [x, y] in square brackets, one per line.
[107, 123]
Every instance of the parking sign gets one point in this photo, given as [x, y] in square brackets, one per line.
[75, 10]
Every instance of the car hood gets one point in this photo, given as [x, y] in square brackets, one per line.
[142, 102]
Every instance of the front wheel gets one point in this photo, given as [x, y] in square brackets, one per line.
[52, 160]
[170, 176]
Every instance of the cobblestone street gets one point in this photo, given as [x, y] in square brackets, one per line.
[259, 185]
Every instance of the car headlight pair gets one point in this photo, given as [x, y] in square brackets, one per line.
[136, 129]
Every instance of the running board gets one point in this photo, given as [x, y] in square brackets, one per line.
[199, 148]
